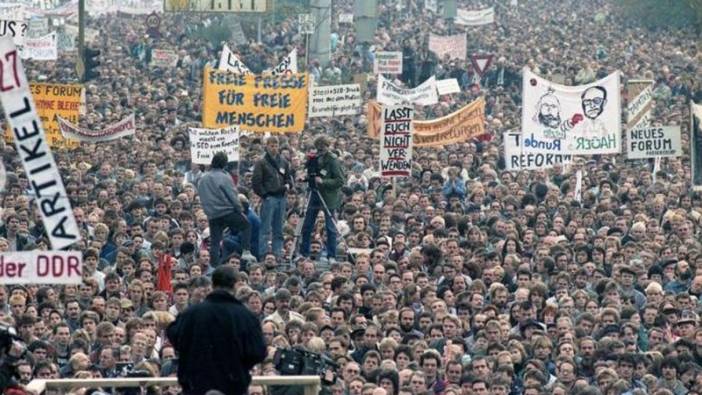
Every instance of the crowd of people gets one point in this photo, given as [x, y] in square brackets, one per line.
[462, 279]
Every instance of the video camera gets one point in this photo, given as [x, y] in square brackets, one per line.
[312, 167]
[8, 337]
[300, 362]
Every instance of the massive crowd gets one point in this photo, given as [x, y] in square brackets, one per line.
[503, 284]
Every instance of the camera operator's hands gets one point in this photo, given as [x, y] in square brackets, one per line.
[318, 180]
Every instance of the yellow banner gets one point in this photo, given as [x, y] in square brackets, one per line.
[257, 103]
[52, 100]
[459, 126]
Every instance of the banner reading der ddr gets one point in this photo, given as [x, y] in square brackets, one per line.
[41, 267]
[52, 100]
[257, 103]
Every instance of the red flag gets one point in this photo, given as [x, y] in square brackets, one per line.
[163, 277]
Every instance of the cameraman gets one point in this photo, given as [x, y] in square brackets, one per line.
[326, 183]
[11, 351]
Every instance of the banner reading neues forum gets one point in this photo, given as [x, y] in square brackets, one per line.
[256, 103]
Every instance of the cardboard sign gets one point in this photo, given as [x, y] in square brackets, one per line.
[230, 62]
[346, 19]
[579, 120]
[123, 128]
[392, 95]
[696, 145]
[17, 29]
[515, 159]
[456, 46]
[640, 103]
[32, 148]
[330, 101]
[387, 63]
[481, 62]
[461, 125]
[653, 142]
[396, 141]
[287, 66]
[205, 143]
[257, 103]
[164, 58]
[448, 86]
[42, 48]
[41, 267]
[475, 18]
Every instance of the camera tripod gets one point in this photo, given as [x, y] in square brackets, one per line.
[298, 228]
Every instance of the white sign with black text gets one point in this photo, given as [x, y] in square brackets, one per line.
[333, 100]
[396, 141]
[652, 142]
[204, 143]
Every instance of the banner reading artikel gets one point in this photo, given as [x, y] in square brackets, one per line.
[30, 143]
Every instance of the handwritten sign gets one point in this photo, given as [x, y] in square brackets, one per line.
[515, 159]
[396, 142]
[653, 142]
[391, 94]
[123, 128]
[456, 46]
[257, 103]
[42, 48]
[329, 101]
[205, 143]
[32, 148]
[164, 58]
[387, 63]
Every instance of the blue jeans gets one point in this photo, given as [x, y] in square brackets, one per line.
[308, 226]
[237, 223]
[272, 215]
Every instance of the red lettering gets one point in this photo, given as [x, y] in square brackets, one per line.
[57, 266]
[73, 266]
[42, 265]
[10, 57]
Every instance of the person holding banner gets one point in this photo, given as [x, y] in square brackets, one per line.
[220, 200]
[271, 180]
[326, 179]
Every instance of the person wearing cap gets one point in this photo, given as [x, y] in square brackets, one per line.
[218, 341]
[326, 191]
[627, 276]
[271, 180]
[220, 200]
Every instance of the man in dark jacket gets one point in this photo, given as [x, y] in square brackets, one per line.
[270, 181]
[220, 200]
[326, 191]
[218, 341]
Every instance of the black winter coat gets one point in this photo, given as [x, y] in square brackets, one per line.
[218, 342]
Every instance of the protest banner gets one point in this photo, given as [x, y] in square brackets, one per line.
[448, 86]
[42, 48]
[41, 267]
[287, 66]
[123, 128]
[54, 100]
[652, 142]
[238, 35]
[461, 125]
[17, 29]
[578, 192]
[65, 41]
[230, 62]
[164, 58]
[38, 27]
[456, 46]
[578, 120]
[475, 18]
[639, 103]
[13, 11]
[696, 145]
[205, 143]
[329, 101]
[32, 148]
[431, 5]
[257, 103]
[387, 63]
[392, 95]
[516, 159]
[481, 62]
[396, 141]
[345, 18]
[306, 23]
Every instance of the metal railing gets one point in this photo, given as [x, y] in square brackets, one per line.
[311, 384]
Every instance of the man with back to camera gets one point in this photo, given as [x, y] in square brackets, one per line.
[220, 200]
[328, 182]
[218, 341]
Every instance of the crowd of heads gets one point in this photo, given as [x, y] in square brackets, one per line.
[508, 285]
